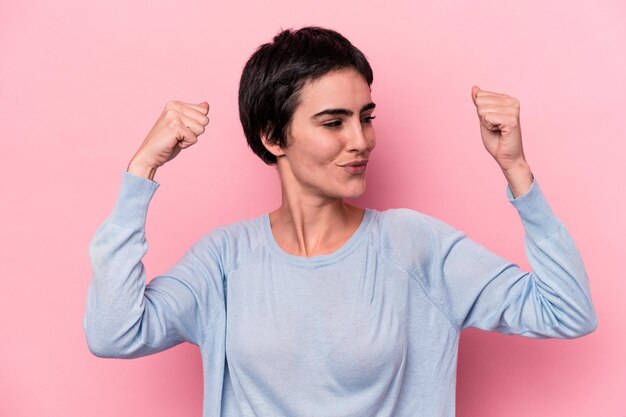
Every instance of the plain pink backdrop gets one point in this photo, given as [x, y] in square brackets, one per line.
[81, 83]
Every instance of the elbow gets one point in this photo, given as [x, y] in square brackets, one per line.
[99, 347]
[587, 323]
[589, 326]
[99, 342]
[589, 320]
[100, 350]
[110, 340]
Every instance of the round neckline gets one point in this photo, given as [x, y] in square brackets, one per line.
[318, 260]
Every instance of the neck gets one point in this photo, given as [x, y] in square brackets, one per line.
[309, 225]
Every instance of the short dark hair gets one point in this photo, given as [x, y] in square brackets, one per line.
[275, 74]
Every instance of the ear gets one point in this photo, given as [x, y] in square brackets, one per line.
[273, 148]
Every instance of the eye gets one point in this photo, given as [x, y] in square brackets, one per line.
[333, 124]
[367, 119]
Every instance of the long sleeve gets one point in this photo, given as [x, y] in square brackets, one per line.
[473, 287]
[485, 291]
[124, 316]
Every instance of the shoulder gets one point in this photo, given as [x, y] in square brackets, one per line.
[404, 222]
[411, 238]
[231, 243]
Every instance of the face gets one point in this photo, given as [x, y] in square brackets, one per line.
[330, 137]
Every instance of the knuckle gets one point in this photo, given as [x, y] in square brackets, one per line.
[173, 113]
[173, 122]
[171, 105]
[171, 116]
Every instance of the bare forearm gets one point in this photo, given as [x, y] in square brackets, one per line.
[519, 177]
[141, 170]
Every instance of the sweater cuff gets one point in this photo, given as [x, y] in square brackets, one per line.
[537, 217]
[131, 206]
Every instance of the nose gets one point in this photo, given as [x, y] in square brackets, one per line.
[362, 137]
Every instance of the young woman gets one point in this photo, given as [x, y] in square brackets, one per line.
[321, 308]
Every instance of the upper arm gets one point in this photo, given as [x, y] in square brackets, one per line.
[473, 286]
[127, 318]
[487, 291]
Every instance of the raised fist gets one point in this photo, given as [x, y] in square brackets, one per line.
[499, 126]
[176, 129]
[502, 136]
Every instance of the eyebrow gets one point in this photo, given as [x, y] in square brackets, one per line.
[344, 112]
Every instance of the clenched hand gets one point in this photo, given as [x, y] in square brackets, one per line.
[176, 129]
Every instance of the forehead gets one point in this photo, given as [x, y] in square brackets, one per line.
[344, 88]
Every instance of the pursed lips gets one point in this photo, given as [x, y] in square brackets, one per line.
[357, 163]
[355, 167]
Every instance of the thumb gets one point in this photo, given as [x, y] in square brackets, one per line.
[475, 90]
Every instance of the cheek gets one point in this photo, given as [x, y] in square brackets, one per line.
[329, 151]
[372, 144]
[371, 138]
[324, 150]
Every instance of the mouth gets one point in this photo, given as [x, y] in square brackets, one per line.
[355, 167]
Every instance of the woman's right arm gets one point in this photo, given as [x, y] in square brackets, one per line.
[124, 317]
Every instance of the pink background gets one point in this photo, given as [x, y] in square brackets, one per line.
[81, 83]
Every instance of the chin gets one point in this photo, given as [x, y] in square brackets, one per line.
[343, 189]
[354, 192]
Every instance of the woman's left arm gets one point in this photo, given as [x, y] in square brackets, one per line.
[486, 291]
[478, 288]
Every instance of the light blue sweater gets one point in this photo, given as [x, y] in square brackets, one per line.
[370, 330]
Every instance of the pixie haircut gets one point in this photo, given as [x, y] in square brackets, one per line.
[275, 74]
